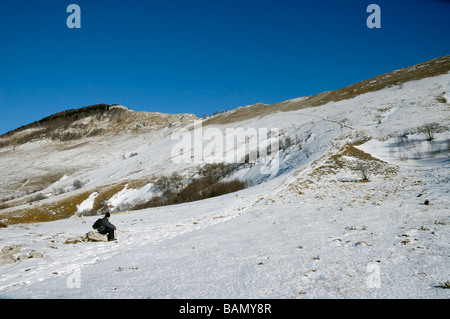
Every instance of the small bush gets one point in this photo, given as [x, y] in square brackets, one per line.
[217, 170]
[364, 172]
[77, 184]
[206, 187]
[285, 143]
[379, 118]
[58, 191]
[430, 130]
[174, 182]
[87, 212]
[37, 198]
[95, 132]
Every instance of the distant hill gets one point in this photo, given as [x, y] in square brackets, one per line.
[89, 121]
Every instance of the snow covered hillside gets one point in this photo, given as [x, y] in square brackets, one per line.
[350, 201]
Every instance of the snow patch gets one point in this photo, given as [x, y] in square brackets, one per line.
[87, 204]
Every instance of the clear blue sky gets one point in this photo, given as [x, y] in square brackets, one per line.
[201, 56]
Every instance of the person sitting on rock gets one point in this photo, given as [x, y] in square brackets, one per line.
[106, 227]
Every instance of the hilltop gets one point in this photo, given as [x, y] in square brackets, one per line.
[90, 121]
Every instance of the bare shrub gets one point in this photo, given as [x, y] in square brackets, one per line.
[364, 171]
[379, 118]
[69, 136]
[77, 184]
[430, 130]
[447, 149]
[285, 143]
[95, 132]
[58, 191]
[206, 187]
[87, 212]
[37, 198]
[174, 182]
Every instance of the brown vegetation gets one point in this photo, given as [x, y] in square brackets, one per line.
[63, 208]
[430, 68]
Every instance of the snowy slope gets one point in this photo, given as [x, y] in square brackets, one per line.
[313, 229]
[319, 244]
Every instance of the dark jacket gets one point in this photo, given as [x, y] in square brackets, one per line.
[105, 224]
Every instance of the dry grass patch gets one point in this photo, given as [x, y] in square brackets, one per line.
[63, 208]
[353, 159]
